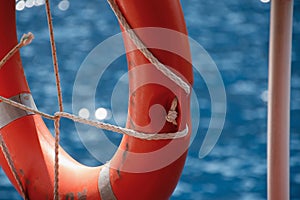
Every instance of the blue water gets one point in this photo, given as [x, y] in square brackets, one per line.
[234, 33]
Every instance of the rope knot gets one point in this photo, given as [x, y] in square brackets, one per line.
[26, 39]
[172, 114]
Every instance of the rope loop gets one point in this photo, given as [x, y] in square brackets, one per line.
[25, 40]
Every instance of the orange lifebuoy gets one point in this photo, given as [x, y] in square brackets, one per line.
[31, 145]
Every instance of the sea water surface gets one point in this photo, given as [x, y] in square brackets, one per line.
[234, 33]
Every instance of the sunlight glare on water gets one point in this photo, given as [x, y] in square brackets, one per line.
[64, 5]
[101, 113]
[29, 3]
[265, 1]
[84, 113]
[39, 2]
[264, 96]
[21, 4]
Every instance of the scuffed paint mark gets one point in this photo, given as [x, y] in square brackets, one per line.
[132, 99]
[21, 172]
[123, 159]
[82, 195]
[125, 152]
[27, 182]
[132, 126]
[118, 172]
[70, 196]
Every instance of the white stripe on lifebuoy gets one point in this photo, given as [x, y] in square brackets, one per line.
[104, 185]
[11, 112]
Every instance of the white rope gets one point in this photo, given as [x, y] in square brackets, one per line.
[141, 46]
[25, 40]
[12, 167]
[102, 125]
[60, 101]
[125, 131]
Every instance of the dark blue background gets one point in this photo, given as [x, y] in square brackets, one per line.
[235, 33]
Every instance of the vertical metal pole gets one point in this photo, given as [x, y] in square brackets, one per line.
[279, 99]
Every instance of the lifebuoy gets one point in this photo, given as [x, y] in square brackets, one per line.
[31, 145]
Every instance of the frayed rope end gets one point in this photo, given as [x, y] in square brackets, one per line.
[27, 39]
